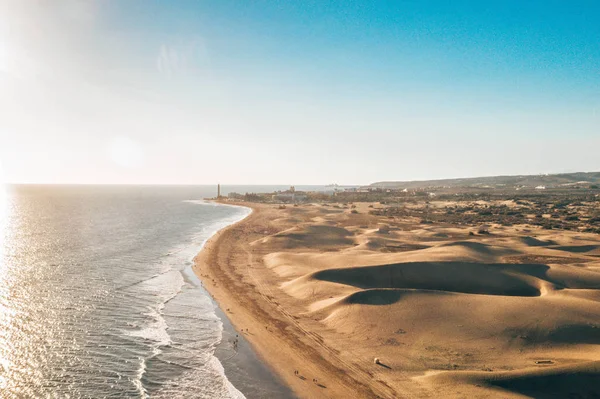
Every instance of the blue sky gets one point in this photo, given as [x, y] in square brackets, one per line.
[308, 92]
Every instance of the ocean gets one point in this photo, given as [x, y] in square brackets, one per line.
[97, 295]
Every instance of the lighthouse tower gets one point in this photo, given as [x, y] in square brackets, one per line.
[218, 191]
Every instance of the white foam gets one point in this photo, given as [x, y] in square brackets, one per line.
[179, 276]
[233, 391]
[166, 286]
[138, 381]
[155, 331]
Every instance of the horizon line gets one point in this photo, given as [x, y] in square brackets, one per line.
[287, 184]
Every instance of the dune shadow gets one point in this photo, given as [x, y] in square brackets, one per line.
[579, 333]
[375, 297]
[462, 277]
[566, 334]
[534, 242]
[315, 236]
[578, 249]
[482, 248]
[576, 384]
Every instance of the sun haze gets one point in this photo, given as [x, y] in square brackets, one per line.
[311, 199]
[304, 92]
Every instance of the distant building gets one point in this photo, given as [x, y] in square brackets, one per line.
[237, 196]
[289, 196]
[540, 188]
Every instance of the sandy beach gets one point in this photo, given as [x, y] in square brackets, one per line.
[321, 291]
[244, 369]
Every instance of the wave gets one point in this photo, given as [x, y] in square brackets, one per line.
[188, 310]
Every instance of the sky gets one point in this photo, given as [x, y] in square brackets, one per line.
[296, 92]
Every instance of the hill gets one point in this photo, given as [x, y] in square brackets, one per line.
[548, 181]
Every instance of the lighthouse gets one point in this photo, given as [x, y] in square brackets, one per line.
[218, 191]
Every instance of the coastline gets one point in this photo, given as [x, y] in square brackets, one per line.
[244, 370]
[224, 265]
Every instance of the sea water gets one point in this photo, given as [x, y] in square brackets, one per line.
[97, 296]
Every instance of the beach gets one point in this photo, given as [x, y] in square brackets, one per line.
[343, 303]
[248, 373]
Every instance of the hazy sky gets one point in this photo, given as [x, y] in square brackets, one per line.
[296, 92]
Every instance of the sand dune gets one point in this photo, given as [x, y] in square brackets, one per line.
[577, 248]
[312, 236]
[470, 278]
[570, 382]
[514, 313]
[579, 381]
[534, 242]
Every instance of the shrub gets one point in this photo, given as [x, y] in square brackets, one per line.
[384, 229]
[561, 204]
[483, 230]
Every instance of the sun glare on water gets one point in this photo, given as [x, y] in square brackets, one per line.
[3, 203]
[5, 313]
[4, 209]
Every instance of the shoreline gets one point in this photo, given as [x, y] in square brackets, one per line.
[280, 342]
[243, 369]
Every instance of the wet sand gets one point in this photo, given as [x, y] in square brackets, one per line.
[244, 369]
